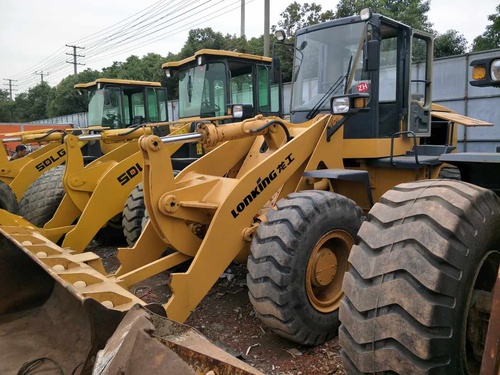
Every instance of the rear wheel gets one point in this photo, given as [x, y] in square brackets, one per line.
[42, 198]
[450, 173]
[298, 261]
[427, 260]
[133, 215]
[8, 200]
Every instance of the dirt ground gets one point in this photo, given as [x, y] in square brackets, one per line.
[226, 317]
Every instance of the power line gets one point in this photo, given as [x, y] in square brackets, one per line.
[41, 73]
[168, 33]
[160, 20]
[10, 85]
[74, 54]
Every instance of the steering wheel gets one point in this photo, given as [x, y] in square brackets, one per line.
[208, 106]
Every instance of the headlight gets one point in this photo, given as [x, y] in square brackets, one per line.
[280, 35]
[340, 105]
[365, 14]
[495, 70]
[237, 111]
[168, 73]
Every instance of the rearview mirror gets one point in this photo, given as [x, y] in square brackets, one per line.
[275, 70]
[372, 55]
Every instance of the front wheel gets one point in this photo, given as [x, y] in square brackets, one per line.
[42, 198]
[298, 261]
[417, 290]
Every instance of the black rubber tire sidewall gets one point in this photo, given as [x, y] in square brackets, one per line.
[321, 212]
[43, 196]
[133, 215]
[8, 200]
[445, 228]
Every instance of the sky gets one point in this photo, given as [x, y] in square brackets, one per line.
[33, 33]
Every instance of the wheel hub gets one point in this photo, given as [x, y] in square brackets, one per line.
[325, 267]
[325, 270]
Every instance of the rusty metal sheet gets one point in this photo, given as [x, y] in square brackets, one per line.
[197, 350]
[133, 351]
[460, 119]
[145, 342]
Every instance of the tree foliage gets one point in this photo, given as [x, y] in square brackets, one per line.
[32, 105]
[6, 106]
[297, 16]
[490, 39]
[293, 18]
[65, 99]
[199, 39]
[410, 12]
[450, 43]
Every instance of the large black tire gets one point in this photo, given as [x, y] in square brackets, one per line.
[298, 260]
[133, 215]
[8, 200]
[425, 247]
[450, 173]
[41, 200]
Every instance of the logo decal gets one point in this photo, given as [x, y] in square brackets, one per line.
[129, 174]
[363, 87]
[51, 159]
[261, 185]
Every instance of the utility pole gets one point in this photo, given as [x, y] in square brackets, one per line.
[242, 33]
[10, 85]
[41, 73]
[266, 28]
[74, 57]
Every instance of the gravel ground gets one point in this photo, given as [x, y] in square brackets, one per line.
[226, 317]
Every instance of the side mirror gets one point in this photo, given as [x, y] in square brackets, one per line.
[275, 70]
[372, 55]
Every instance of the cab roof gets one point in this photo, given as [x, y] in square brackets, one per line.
[113, 81]
[216, 53]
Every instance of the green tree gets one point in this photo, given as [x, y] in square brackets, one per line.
[66, 99]
[490, 39]
[293, 18]
[6, 106]
[410, 12]
[297, 16]
[32, 105]
[449, 44]
[199, 39]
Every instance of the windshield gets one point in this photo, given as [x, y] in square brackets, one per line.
[323, 60]
[202, 91]
[105, 108]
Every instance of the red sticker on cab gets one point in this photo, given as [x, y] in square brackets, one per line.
[363, 87]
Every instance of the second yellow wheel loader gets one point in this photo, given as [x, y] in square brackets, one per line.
[113, 104]
[286, 196]
[210, 83]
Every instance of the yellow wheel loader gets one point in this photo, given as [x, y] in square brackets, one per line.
[113, 102]
[422, 294]
[209, 82]
[288, 196]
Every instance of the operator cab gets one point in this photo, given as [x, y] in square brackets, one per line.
[370, 57]
[211, 81]
[119, 103]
